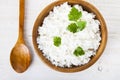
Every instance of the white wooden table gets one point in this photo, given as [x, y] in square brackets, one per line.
[106, 68]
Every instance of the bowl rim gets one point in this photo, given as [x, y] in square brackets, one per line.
[103, 30]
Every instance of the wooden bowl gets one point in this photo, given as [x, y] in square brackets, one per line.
[86, 6]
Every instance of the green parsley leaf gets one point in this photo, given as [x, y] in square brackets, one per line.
[79, 51]
[81, 25]
[72, 27]
[57, 41]
[74, 14]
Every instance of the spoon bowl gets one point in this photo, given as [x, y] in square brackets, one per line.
[20, 58]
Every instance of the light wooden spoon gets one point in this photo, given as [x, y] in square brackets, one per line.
[20, 56]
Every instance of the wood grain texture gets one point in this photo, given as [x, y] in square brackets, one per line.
[109, 62]
[20, 58]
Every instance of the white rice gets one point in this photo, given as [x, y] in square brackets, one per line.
[55, 24]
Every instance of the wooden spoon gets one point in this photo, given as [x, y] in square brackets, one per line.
[20, 56]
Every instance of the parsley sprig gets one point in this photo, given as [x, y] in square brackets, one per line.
[77, 25]
[74, 14]
[81, 25]
[57, 41]
[78, 51]
[72, 27]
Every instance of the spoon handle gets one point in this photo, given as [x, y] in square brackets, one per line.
[21, 20]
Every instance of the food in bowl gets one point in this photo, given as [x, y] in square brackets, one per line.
[69, 36]
[64, 37]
